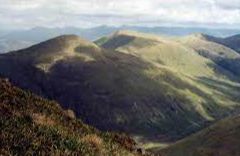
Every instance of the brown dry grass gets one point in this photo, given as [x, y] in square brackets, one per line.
[69, 113]
[42, 119]
[93, 139]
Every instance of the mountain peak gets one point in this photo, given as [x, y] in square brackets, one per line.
[64, 44]
[68, 39]
[199, 36]
[125, 32]
[125, 37]
[67, 36]
[131, 33]
[47, 53]
[202, 36]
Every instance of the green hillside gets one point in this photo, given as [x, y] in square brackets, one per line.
[232, 42]
[211, 48]
[182, 57]
[156, 88]
[31, 125]
[221, 139]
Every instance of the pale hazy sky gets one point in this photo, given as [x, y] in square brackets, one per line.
[89, 13]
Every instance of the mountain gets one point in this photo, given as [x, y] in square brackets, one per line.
[182, 57]
[220, 139]
[174, 51]
[182, 31]
[156, 88]
[233, 42]
[230, 42]
[31, 125]
[11, 45]
[216, 50]
[17, 39]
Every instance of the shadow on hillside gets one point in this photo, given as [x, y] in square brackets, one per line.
[118, 41]
[226, 88]
[232, 65]
[114, 93]
[229, 68]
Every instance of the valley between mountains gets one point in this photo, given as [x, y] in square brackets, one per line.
[157, 89]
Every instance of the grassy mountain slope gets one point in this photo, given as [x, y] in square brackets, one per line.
[182, 59]
[160, 51]
[214, 49]
[232, 42]
[209, 43]
[220, 139]
[32, 125]
[146, 83]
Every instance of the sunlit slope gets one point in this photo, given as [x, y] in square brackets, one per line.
[145, 86]
[215, 50]
[184, 60]
[161, 51]
[31, 125]
[114, 82]
[221, 139]
[214, 85]
[47, 53]
[209, 44]
[232, 42]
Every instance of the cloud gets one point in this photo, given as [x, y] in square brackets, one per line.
[228, 4]
[82, 13]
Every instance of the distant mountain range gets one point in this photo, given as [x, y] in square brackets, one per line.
[155, 88]
[19, 39]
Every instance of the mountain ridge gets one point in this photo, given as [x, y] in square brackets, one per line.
[147, 87]
[26, 38]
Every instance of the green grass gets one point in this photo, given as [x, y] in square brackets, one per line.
[179, 71]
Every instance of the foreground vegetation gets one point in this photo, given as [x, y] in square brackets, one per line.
[31, 125]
